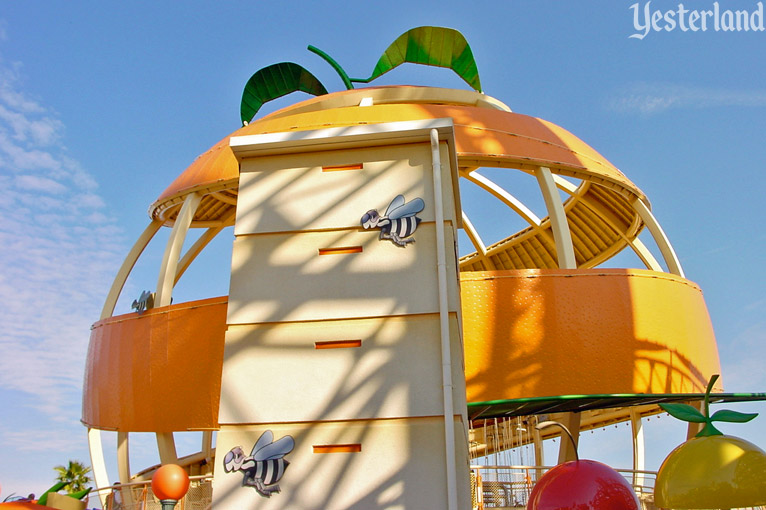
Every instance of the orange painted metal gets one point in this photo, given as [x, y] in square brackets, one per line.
[484, 137]
[159, 371]
[23, 505]
[540, 333]
[527, 333]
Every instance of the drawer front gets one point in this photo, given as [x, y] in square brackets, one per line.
[334, 189]
[285, 277]
[338, 370]
[340, 466]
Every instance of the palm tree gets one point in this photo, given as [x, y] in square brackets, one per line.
[75, 475]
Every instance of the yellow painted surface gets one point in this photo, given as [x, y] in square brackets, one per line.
[275, 373]
[292, 193]
[538, 333]
[282, 277]
[484, 137]
[712, 472]
[156, 372]
[401, 465]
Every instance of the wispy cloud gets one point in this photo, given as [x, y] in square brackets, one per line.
[652, 98]
[60, 248]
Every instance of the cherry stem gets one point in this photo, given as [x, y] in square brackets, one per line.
[546, 424]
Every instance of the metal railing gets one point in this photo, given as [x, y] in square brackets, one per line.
[139, 496]
[511, 486]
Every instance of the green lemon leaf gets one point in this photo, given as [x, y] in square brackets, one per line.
[81, 494]
[43, 500]
[684, 412]
[275, 81]
[732, 416]
[432, 46]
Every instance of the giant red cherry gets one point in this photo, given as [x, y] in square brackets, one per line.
[582, 485]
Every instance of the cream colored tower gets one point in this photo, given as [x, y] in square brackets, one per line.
[347, 343]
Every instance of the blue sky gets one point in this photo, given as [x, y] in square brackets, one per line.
[103, 104]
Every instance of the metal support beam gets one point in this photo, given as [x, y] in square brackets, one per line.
[173, 250]
[567, 449]
[166, 445]
[200, 244]
[97, 463]
[671, 260]
[537, 440]
[694, 428]
[639, 463]
[561, 235]
[127, 267]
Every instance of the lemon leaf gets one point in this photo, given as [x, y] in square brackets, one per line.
[732, 416]
[684, 412]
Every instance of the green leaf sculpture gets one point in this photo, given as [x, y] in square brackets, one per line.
[43, 499]
[275, 81]
[431, 46]
[688, 413]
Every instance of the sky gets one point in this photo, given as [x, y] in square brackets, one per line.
[102, 104]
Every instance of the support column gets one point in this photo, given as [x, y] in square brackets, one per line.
[100, 476]
[693, 428]
[637, 429]
[173, 250]
[561, 235]
[668, 253]
[537, 440]
[127, 267]
[567, 449]
[167, 447]
[123, 457]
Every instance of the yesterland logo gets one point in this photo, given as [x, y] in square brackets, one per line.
[716, 19]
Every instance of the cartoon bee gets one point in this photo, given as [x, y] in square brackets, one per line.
[399, 222]
[265, 465]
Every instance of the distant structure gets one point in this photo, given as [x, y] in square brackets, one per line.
[358, 361]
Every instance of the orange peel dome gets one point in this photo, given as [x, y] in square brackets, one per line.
[487, 134]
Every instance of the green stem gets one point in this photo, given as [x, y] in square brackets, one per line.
[713, 379]
[334, 64]
[709, 429]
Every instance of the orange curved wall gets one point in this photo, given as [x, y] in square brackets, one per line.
[536, 333]
[527, 333]
[156, 372]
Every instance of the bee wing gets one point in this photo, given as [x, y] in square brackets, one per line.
[266, 438]
[275, 450]
[397, 202]
[409, 209]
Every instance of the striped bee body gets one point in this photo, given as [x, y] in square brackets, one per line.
[270, 471]
[399, 223]
[262, 475]
[400, 227]
[265, 465]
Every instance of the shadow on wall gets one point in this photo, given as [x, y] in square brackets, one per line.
[546, 333]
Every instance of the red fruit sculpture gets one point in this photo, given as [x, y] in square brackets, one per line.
[581, 485]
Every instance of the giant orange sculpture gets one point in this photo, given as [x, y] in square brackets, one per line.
[367, 353]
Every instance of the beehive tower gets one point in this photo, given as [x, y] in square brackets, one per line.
[337, 337]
